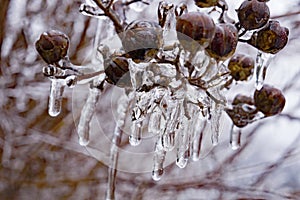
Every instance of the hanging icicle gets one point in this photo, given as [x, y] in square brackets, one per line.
[55, 97]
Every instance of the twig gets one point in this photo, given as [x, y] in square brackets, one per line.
[111, 15]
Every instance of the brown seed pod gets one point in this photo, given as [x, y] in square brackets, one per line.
[270, 39]
[269, 100]
[224, 42]
[194, 29]
[206, 3]
[253, 14]
[241, 67]
[52, 46]
[141, 39]
[117, 72]
[242, 112]
[242, 99]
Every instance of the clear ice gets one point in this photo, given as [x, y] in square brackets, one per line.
[87, 113]
[263, 61]
[55, 98]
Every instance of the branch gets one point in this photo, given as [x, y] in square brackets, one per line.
[111, 15]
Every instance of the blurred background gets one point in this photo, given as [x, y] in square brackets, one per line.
[41, 157]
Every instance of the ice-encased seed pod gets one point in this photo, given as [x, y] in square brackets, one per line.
[253, 14]
[241, 67]
[195, 26]
[242, 112]
[52, 46]
[269, 100]
[117, 72]
[142, 39]
[242, 99]
[270, 39]
[206, 3]
[224, 42]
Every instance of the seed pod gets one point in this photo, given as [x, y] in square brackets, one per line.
[224, 42]
[269, 100]
[194, 29]
[270, 39]
[242, 99]
[253, 14]
[242, 112]
[141, 39]
[52, 46]
[206, 3]
[117, 72]
[241, 67]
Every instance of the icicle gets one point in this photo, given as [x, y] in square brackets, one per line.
[235, 137]
[158, 162]
[196, 148]
[136, 133]
[196, 139]
[262, 63]
[154, 122]
[165, 15]
[114, 154]
[215, 123]
[86, 116]
[182, 143]
[173, 111]
[218, 102]
[55, 98]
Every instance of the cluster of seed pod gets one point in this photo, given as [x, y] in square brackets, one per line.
[197, 34]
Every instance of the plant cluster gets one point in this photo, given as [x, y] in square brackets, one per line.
[174, 87]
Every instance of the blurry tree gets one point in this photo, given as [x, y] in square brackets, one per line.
[40, 155]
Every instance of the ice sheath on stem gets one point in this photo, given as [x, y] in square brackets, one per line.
[263, 61]
[235, 137]
[55, 98]
[114, 154]
[86, 116]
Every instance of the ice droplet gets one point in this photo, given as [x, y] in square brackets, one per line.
[182, 160]
[263, 61]
[55, 98]
[86, 116]
[235, 137]
[158, 162]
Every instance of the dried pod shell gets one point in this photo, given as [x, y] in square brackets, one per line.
[52, 46]
[117, 72]
[270, 39]
[224, 42]
[269, 100]
[241, 67]
[194, 30]
[253, 14]
[140, 37]
[206, 3]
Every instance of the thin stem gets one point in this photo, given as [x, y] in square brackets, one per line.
[114, 153]
[111, 15]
